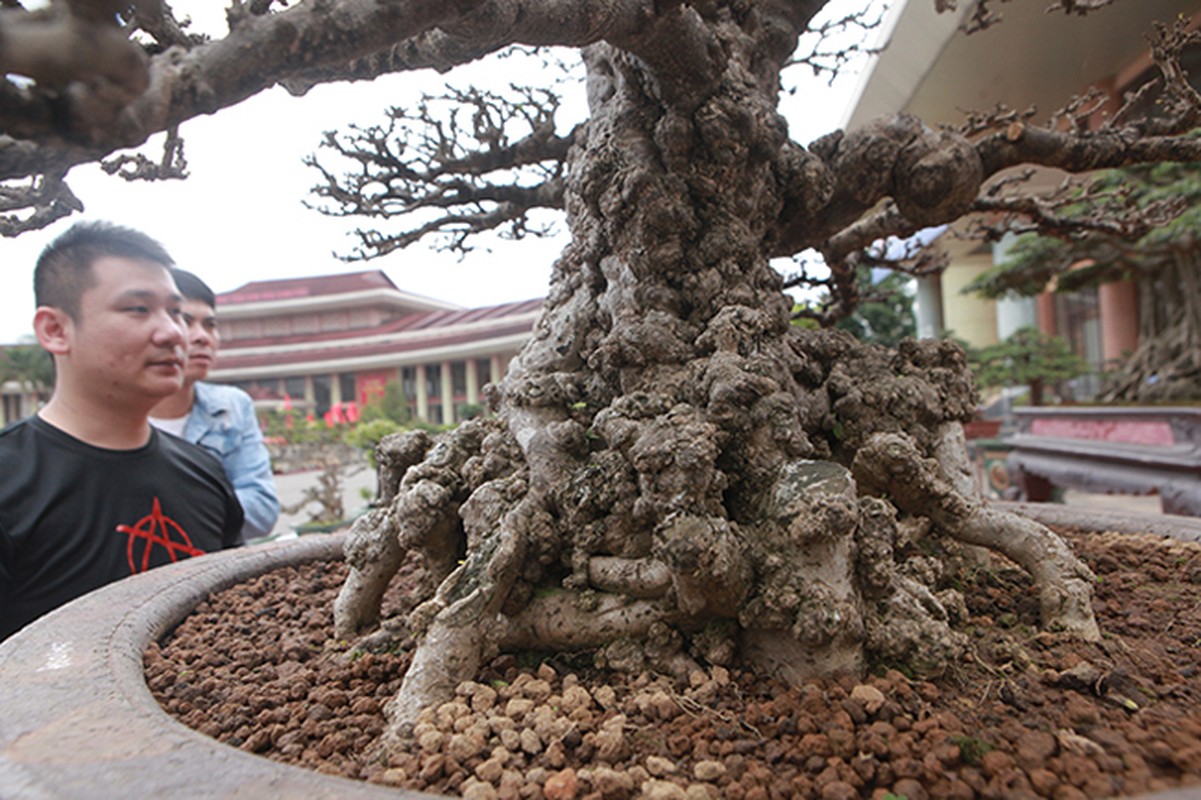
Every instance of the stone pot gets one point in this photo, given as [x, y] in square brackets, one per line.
[78, 721]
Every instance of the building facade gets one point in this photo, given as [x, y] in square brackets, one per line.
[330, 344]
[1032, 59]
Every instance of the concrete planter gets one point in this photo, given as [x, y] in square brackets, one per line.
[77, 720]
[76, 717]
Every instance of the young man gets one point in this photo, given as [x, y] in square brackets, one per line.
[90, 492]
[220, 419]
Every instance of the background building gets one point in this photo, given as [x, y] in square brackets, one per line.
[1031, 59]
[333, 342]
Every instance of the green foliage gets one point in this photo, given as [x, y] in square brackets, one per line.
[391, 405]
[1027, 358]
[971, 750]
[1035, 262]
[366, 435]
[885, 320]
[289, 426]
[30, 366]
[469, 410]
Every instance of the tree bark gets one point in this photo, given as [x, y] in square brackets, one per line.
[666, 479]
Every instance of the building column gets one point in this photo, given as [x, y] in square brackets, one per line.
[423, 401]
[494, 368]
[1045, 311]
[448, 406]
[335, 388]
[1119, 319]
[927, 308]
[473, 381]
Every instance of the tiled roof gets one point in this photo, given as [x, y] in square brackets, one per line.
[231, 360]
[419, 331]
[427, 321]
[314, 286]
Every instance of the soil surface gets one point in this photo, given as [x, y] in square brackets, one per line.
[1023, 714]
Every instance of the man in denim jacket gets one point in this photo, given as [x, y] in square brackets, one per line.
[219, 418]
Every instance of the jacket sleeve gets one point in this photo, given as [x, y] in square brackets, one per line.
[248, 466]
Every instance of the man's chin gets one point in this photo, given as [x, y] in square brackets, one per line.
[164, 383]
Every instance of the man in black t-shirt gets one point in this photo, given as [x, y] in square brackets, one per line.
[89, 492]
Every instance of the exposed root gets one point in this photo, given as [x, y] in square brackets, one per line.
[373, 549]
[568, 621]
[374, 556]
[890, 464]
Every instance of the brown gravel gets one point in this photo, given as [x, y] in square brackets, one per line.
[1025, 714]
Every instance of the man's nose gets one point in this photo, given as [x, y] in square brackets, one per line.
[169, 330]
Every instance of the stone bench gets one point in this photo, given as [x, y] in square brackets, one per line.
[1136, 450]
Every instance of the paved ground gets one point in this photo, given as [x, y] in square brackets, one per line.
[291, 489]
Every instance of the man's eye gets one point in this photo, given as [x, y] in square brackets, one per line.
[188, 318]
[137, 309]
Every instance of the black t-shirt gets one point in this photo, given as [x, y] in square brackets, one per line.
[74, 517]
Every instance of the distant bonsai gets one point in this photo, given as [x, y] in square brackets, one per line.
[1027, 358]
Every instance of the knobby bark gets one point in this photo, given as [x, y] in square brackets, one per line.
[675, 475]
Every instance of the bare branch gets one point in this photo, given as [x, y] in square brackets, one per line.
[47, 197]
[484, 159]
[839, 42]
[137, 167]
[1112, 212]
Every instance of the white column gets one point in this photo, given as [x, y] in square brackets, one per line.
[423, 402]
[473, 381]
[448, 407]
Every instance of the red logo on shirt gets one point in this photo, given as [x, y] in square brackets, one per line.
[156, 530]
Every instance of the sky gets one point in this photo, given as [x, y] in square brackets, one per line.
[239, 215]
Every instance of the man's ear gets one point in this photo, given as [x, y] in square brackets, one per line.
[53, 327]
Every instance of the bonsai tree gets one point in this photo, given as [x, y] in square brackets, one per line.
[1028, 358]
[672, 474]
[1162, 261]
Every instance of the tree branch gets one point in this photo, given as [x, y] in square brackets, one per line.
[485, 159]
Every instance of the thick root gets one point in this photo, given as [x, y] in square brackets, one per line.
[891, 464]
[374, 556]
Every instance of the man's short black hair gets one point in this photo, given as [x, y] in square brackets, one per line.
[193, 288]
[64, 269]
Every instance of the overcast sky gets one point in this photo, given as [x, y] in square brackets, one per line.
[239, 217]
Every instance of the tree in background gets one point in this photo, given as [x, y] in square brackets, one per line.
[30, 367]
[1027, 358]
[1164, 261]
[885, 314]
[391, 405]
[672, 474]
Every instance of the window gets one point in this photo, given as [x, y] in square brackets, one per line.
[322, 393]
[347, 388]
[12, 408]
[458, 379]
[294, 387]
[433, 380]
[483, 371]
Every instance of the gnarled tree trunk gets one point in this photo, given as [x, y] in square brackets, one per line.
[674, 473]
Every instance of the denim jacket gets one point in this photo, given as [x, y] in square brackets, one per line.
[223, 422]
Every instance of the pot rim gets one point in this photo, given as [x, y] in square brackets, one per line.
[79, 721]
